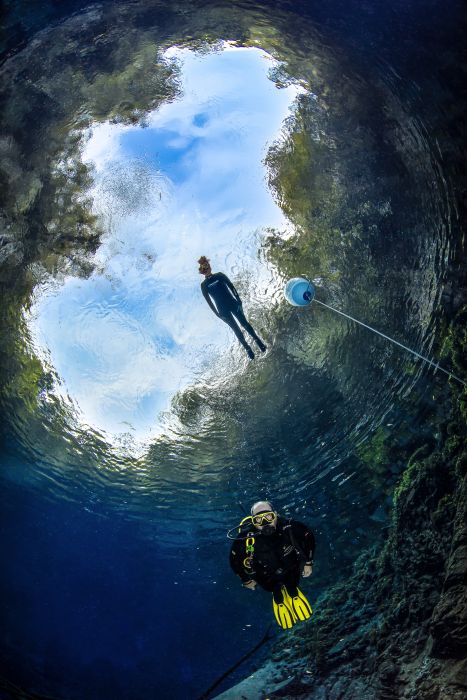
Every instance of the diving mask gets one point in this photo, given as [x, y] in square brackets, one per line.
[264, 518]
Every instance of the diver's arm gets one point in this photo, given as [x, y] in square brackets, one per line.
[305, 540]
[250, 584]
[236, 564]
[209, 300]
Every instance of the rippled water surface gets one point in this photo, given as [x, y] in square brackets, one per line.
[189, 180]
[278, 141]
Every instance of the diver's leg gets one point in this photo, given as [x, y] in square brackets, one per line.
[295, 599]
[291, 580]
[277, 593]
[238, 313]
[227, 317]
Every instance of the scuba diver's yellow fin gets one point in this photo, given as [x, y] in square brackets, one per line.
[298, 603]
[284, 614]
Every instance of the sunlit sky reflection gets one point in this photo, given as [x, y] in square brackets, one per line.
[191, 182]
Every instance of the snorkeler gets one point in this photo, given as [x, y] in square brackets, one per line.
[273, 552]
[224, 300]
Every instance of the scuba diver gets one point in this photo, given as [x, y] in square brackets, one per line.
[224, 300]
[273, 552]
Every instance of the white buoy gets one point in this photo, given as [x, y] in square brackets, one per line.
[299, 291]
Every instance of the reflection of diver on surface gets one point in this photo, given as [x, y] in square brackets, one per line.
[272, 552]
[217, 288]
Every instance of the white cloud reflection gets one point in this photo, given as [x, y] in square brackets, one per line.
[191, 182]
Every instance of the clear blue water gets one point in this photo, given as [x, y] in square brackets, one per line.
[135, 431]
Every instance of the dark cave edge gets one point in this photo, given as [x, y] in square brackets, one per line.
[396, 628]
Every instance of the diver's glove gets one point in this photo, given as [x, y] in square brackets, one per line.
[307, 569]
[251, 584]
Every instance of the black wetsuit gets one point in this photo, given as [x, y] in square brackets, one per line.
[227, 305]
[278, 559]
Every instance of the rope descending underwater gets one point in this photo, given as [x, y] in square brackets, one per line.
[14, 692]
[216, 683]
[396, 342]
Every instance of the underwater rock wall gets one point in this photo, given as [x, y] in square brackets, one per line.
[396, 629]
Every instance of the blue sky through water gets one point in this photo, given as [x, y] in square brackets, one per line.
[190, 182]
